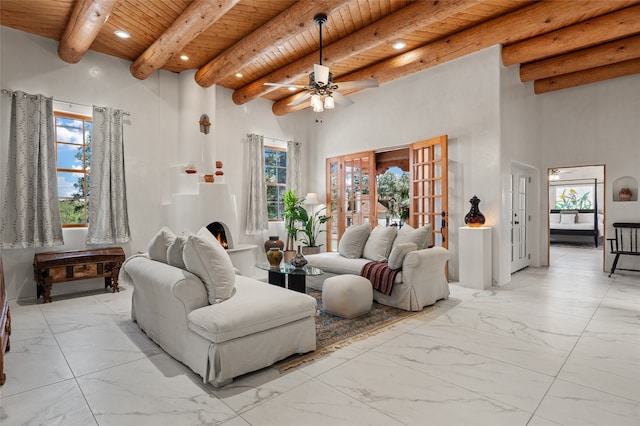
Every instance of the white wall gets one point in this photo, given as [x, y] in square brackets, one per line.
[493, 121]
[596, 124]
[31, 64]
[233, 123]
[461, 99]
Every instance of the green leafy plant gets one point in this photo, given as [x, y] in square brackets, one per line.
[311, 227]
[293, 214]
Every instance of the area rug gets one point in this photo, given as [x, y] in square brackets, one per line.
[333, 332]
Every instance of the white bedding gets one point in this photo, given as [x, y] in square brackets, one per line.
[584, 222]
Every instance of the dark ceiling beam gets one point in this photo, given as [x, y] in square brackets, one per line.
[85, 22]
[277, 31]
[614, 26]
[530, 21]
[194, 20]
[410, 18]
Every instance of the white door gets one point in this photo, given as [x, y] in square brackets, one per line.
[520, 219]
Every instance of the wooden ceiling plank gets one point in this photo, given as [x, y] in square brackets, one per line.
[608, 53]
[602, 29]
[87, 18]
[530, 21]
[283, 27]
[407, 19]
[593, 75]
[192, 22]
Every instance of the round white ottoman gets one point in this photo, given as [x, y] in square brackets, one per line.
[347, 296]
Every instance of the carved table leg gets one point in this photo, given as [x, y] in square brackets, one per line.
[114, 268]
[47, 290]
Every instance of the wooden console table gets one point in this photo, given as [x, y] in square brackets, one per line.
[5, 325]
[61, 266]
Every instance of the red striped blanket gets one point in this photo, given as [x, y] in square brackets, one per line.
[380, 275]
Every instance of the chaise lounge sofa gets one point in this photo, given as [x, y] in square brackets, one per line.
[219, 324]
[420, 280]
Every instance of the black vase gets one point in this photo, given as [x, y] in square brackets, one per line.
[298, 260]
[474, 218]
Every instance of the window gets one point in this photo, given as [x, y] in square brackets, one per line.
[275, 170]
[73, 156]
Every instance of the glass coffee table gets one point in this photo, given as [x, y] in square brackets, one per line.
[289, 277]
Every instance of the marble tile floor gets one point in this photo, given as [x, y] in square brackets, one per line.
[557, 346]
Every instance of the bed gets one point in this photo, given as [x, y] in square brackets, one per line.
[584, 223]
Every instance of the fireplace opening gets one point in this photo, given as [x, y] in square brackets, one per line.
[218, 230]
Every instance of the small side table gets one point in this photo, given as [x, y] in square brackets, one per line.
[289, 277]
[474, 245]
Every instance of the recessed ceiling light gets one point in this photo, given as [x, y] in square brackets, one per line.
[122, 33]
[239, 75]
[399, 45]
[184, 57]
[292, 89]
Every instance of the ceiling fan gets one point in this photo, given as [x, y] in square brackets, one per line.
[322, 90]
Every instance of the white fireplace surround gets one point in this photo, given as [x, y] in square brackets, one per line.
[195, 204]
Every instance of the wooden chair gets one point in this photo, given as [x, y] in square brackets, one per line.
[624, 243]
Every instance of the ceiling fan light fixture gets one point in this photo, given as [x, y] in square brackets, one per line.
[316, 103]
[329, 102]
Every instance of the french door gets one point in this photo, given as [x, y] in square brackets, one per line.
[519, 219]
[350, 193]
[429, 187]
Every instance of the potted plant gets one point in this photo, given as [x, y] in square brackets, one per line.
[311, 230]
[293, 213]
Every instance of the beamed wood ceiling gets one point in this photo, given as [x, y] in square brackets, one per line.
[557, 43]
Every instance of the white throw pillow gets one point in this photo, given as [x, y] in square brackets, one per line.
[160, 243]
[585, 218]
[205, 257]
[420, 236]
[398, 253]
[353, 241]
[554, 217]
[567, 219]
[379, 243]
[174, 253]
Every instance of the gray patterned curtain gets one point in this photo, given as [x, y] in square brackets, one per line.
[107, 211]
[257, 217]
[293, 166]
[31, 215]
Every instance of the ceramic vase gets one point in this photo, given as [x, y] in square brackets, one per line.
[474, 218]
[274, 256]
[298, 260]
[273, 241]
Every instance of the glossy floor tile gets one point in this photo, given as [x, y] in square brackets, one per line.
[556, 346]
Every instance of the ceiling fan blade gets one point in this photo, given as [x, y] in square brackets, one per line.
[341, 99]
[295, 86]
[299, 98]
[357, 84]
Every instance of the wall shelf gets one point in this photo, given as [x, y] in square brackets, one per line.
[625, 182]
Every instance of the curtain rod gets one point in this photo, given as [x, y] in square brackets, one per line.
[273, 139]
[11, 92]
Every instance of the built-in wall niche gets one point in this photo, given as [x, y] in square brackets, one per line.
[622, 186]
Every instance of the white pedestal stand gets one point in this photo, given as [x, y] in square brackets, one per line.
[475, 257]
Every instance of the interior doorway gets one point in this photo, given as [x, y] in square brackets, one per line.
[520, 214]
[576, 219]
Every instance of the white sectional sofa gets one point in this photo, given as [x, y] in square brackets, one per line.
[219, 324]
[421, 279]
